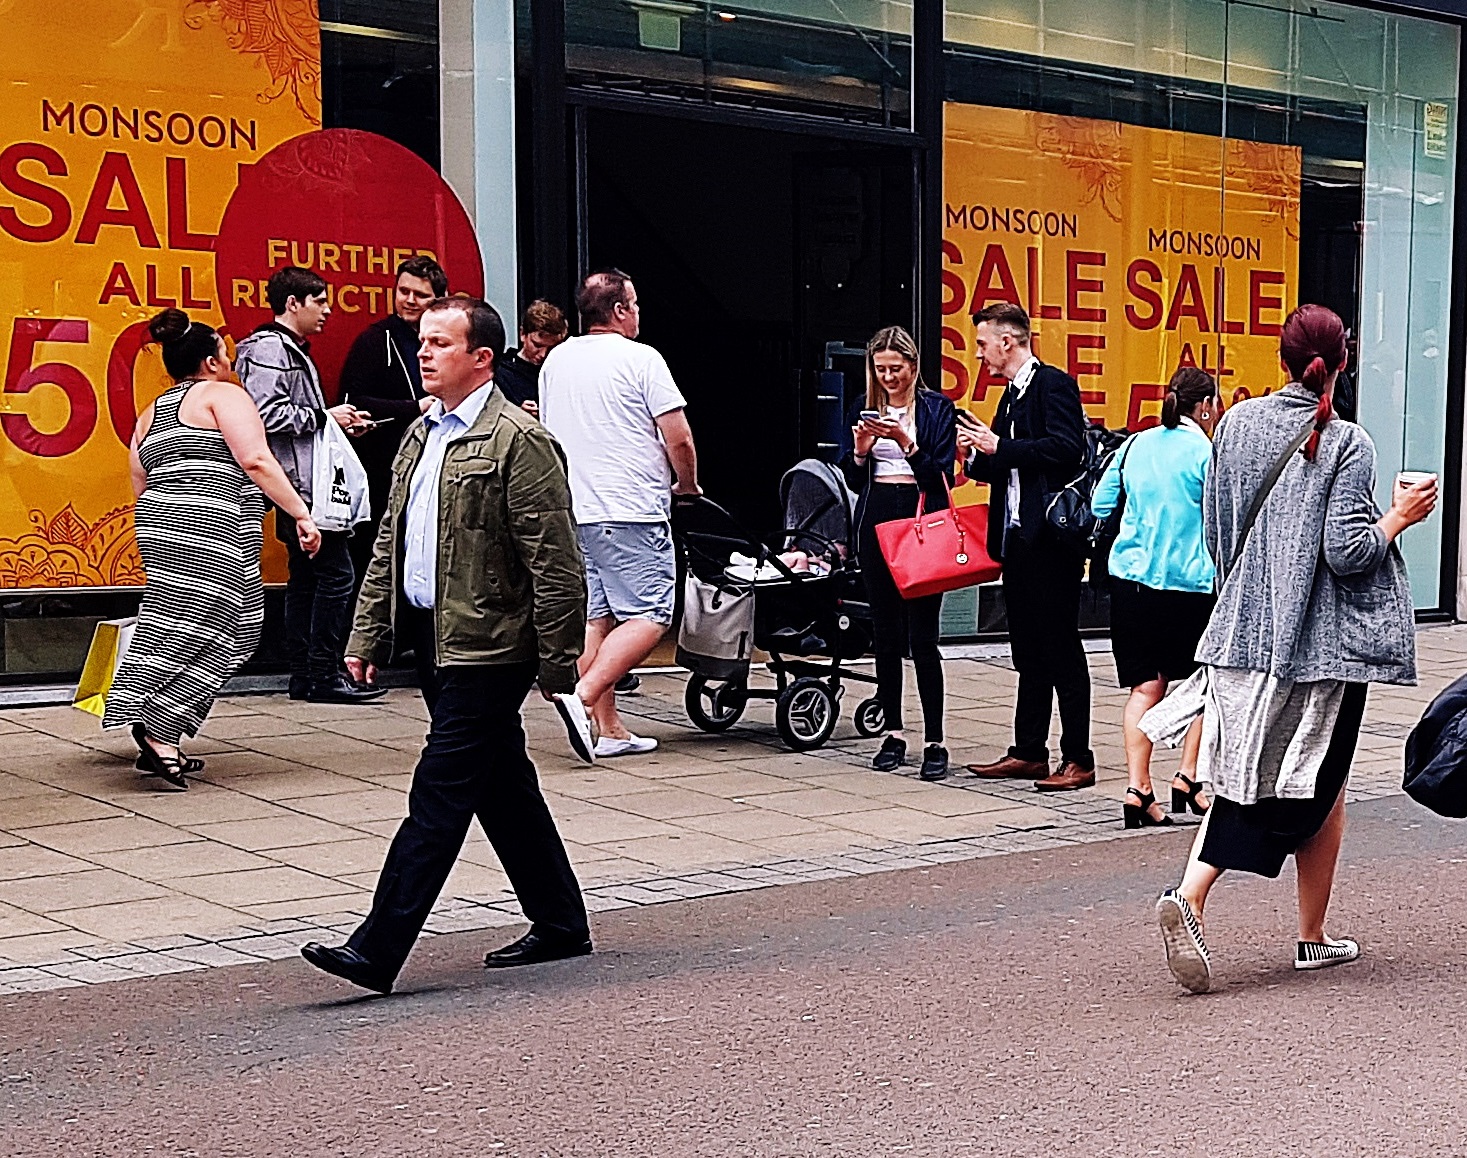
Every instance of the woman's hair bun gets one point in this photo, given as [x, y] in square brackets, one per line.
[169, 326]
[187, 345]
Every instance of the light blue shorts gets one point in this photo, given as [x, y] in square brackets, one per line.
[631, 571]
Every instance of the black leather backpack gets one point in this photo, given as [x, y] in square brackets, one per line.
[1436, 755]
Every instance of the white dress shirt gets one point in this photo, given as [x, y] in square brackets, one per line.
[1020, 383]
[420, 535]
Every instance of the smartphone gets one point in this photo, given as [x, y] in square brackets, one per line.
[870, 416]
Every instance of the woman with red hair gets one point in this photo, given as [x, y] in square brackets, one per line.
[1313, 604]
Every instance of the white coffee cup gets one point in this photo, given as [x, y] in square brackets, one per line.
[1414, 478]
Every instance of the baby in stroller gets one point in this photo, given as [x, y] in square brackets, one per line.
[804, 604]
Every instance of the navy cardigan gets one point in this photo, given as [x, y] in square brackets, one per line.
[931, 462]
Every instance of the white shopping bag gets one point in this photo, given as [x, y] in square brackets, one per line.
[339, 495]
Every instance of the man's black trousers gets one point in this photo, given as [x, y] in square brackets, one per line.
[318, 603]
[474, 765]
[1041, 589]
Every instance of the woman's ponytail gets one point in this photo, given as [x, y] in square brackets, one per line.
[1316, 375]
[1171, 416]
[1312, 347]
[1190, 386]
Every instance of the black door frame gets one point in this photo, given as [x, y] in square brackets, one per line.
[557, 161]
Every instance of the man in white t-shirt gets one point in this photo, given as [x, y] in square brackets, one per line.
[612, 404]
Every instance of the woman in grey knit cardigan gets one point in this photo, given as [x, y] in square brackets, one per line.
[1313, 605]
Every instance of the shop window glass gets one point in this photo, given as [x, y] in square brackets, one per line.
[847, 60]
[379, 70]
[1368, 100]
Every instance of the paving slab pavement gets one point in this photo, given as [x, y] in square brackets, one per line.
[103, 878]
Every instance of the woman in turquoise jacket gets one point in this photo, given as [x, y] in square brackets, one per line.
[1161, 576]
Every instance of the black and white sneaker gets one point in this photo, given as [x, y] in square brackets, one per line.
[1323, 954]
[1186, 951]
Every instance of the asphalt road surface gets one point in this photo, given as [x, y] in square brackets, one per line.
[1015, 1005]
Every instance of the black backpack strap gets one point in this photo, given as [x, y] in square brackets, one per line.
[1123, 450]
[1261, 496]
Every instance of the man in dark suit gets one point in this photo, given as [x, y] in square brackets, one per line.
[1034, 448]
[477, 568]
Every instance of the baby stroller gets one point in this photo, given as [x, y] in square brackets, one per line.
[803, 603]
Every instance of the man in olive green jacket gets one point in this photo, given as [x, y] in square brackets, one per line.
[477, 569]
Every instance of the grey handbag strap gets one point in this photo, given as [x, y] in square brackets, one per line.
[1265, 490]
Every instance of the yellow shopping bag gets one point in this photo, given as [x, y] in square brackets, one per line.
[109, 647]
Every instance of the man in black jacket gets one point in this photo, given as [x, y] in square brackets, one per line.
[381, 376]
[542, 328]
[1034, 448]
[275, 366]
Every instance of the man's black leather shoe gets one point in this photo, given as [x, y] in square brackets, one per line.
[298, 688]
[534, 948]
[347, 964]
[342, 690]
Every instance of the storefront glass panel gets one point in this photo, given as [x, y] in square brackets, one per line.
[852, 61]
[1349, 113]
[156, 151]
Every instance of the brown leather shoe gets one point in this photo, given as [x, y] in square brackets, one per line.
[1067, 779]
[1011, 769]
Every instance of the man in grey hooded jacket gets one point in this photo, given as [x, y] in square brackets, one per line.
[274, 364]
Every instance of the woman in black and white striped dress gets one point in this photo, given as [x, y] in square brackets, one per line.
[199, 461]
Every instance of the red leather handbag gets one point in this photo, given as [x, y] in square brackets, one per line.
[943, 551]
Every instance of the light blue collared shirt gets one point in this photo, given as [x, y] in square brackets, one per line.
[420, 535]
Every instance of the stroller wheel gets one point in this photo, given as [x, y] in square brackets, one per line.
[870, 720]
[714, 706]
[805, 714]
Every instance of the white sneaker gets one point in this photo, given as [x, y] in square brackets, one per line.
[606, 747]
[577, 725]
[1323, 954]
[1186, 951]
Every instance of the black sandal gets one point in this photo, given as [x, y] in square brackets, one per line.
[170, 769]
[1139, 815]
[192, 765]
[1183, 800]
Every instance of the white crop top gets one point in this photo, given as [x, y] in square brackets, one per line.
[890, 462]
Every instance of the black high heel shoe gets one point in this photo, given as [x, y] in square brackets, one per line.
[1183, 800]
[1139, 815]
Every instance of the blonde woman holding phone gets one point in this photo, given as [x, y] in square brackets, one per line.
[905, 442]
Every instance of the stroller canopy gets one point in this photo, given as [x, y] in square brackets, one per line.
[819, 510]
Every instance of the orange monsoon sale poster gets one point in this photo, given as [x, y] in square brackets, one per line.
[120, 145]
[1134, 250]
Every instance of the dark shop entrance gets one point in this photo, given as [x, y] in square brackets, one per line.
[758, 255]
